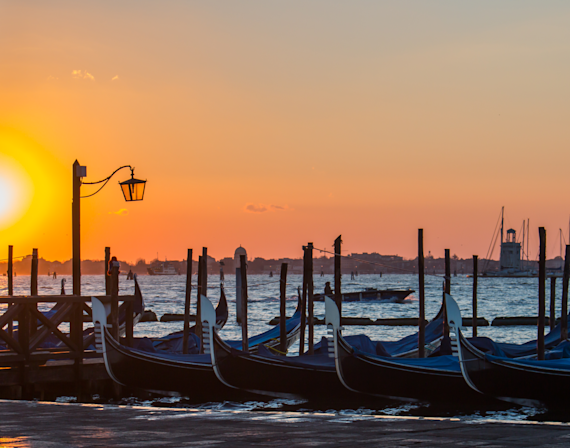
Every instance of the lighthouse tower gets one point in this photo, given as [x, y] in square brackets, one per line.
[511, 252]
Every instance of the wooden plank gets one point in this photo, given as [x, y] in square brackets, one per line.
[50, 326]
[60, 298]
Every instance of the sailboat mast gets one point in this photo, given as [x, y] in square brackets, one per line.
[523, 243]
[502, 222]
[528, 237]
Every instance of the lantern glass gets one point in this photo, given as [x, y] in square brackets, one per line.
[133, 189]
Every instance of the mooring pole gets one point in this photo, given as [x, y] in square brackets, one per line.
[186, 330]
[76, 237]
[10, 283]
[310, 298]
[34, 276]
[447, 290]
[115, 299]
[303, 304]
[198, 294]
[421, 332]
[564, 305]
[107, 273]
[205, 271]
[34, 285]
[337, 276]
[552, 318]
[244, 338]
[283, 310]
[447, 272]
[541, 293]
[10, 270]
[475, 274]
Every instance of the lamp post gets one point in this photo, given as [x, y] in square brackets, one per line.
[133, 190]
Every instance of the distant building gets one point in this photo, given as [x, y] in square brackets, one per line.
[510, 252]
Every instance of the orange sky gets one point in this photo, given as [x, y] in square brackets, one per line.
[366, 119]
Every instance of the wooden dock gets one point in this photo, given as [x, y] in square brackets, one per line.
[32, 369]
[52, 424]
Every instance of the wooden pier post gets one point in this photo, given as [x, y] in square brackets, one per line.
[76, 336]
[76, 230]
[447, 272]
[115, 299]
[107, 273]
[310, 286]
[303, 304]
[422, 329]
[24, 341]
[552, 318]
[205, 271]
[10, 270]
[10, 283]
[244, 338]
[283, 310]
[198, 294]
[34, 285]
[541, 293]
[186, 330]
[447, 290]
[337, 276]
[564, 305]
[475, 277]
[34, 274]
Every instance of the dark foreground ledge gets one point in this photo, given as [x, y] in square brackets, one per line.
[41, 424]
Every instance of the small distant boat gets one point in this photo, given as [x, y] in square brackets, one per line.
[370, 294]
[162, 268]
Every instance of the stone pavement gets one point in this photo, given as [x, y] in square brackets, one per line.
[41, 424]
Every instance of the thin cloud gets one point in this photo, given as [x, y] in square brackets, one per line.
[262, 208]
[114, 78]
[120, 212]
[252, 208]
[82, 74]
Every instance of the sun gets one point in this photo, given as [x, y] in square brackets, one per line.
[16, 191]
[32, 193]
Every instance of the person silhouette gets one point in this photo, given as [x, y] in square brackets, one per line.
[328, 289]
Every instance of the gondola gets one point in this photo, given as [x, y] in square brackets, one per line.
[433, 379]
[524, 381]
[172, 374]
[307, 376]
[371, 295]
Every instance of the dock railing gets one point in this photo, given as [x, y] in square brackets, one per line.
[30, 338]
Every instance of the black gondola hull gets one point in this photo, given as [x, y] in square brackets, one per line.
[278, 377]
[507, 380]
[381, 377]
[143, 371]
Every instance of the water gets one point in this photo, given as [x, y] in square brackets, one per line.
[496, 297]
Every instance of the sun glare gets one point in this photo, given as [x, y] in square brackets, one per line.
[32, 194]
[16, 191]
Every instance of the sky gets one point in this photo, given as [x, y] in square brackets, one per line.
[274, 124]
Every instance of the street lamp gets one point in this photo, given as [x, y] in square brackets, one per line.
[133, 190]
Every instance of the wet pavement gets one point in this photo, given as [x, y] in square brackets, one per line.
[41, 424]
